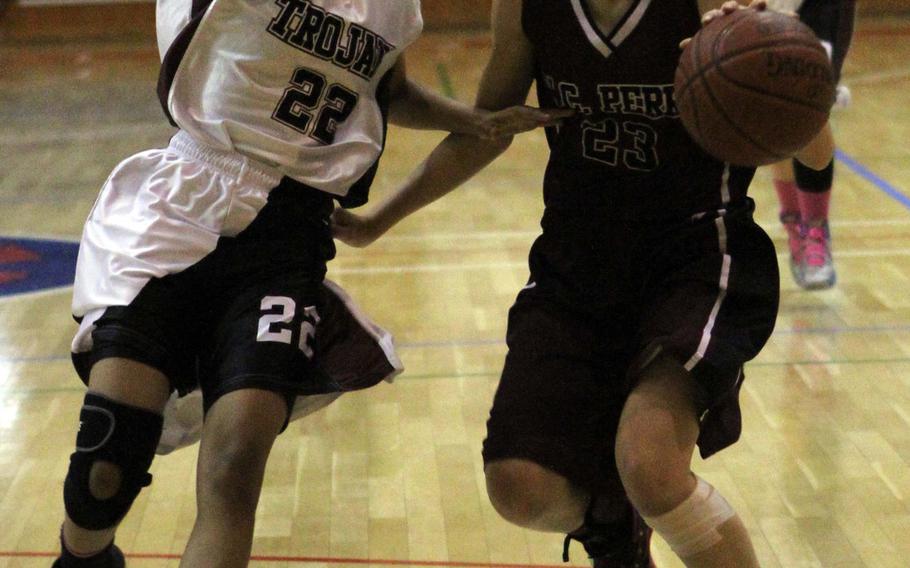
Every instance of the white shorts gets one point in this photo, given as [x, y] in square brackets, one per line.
[211, 268]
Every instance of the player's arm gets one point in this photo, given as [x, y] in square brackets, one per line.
[505, 83]
[414, 106]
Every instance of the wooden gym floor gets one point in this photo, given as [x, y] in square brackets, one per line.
[393, 476]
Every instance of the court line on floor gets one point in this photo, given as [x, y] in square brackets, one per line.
[873, 178]
[457, 267]
[468, 343]
[483, 374]
[886, 31]
[770, 225]
[85, 133]
[876, 77]
[308, 560]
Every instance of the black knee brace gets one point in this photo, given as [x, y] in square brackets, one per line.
[110, 432]
[813, 181]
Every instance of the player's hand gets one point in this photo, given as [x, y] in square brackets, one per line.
[352, 229]
[517, 119]
[726, 8]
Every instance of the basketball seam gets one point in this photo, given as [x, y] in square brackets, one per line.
[733, 54]
[745, 136]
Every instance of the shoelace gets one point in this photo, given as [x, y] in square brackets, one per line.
[816, 247]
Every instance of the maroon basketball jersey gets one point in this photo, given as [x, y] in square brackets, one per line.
[625, 146]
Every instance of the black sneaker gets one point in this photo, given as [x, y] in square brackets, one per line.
[110, 557]
[620, 544]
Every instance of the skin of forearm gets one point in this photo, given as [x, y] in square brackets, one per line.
[455, 160]
[417, 107]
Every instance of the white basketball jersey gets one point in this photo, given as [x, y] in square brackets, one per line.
[295, 84]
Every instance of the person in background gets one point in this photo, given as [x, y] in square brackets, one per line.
[803, 192]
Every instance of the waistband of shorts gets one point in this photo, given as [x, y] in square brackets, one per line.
[231, 163]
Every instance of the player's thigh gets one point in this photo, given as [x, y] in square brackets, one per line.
[239, 430]
[266, 333]
[558, 400]
[711, 309]
[130, 382]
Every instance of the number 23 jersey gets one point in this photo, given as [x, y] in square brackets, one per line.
[295, 84]
[625, 147]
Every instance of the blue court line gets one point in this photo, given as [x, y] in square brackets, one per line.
[39, 391]
[469, 343]
[874, 179]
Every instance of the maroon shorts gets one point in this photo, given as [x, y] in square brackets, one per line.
[708, 297]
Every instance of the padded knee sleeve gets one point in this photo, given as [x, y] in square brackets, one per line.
[122, 435]
[813, 181]
[691, 527]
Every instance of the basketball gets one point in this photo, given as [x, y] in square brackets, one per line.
[753, 87]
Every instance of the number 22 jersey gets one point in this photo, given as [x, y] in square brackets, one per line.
[294, 84]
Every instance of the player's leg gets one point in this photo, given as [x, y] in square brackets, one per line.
[259, 353]
[833, 23]
[709, 308]
[789, 214]
[657, 435]
[547, 400]
[239, 430]
[532, 496]
[814, 196]
[547, 457]
[120, 423]
[156, 269]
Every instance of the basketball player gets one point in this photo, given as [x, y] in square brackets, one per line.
[804, 193]
[202, 264]
[650, 287]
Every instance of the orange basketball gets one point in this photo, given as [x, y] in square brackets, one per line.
[754, 87]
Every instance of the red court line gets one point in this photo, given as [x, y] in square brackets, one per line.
[308, 560]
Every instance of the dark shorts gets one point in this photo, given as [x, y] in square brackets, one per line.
[573, 360]
[832, 21]
[245, 316]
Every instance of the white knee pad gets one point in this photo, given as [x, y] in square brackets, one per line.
[692, 526]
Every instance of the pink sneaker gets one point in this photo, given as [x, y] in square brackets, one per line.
[816, 265]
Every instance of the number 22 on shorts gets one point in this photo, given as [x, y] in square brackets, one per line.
[277, 324]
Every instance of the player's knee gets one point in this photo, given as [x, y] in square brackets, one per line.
[232, 474]
[104, 480]
[114, 450]
[814, 180]
[521, 491]
[693, 525]
[653, 481]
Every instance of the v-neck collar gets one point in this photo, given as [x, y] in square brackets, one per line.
[606, 44]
